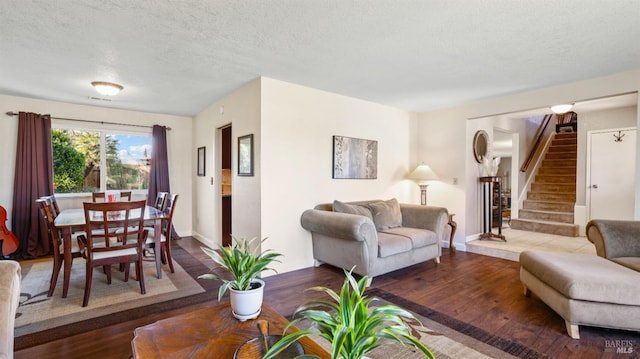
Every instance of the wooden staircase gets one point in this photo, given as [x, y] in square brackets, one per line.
[549, 207]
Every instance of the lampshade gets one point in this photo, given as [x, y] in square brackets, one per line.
[423, 173]
[106, 88]
[559, 109]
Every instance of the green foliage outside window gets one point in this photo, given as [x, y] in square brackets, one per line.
[78, 164]
[68, 163]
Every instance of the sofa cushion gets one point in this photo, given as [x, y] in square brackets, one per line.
[390, 244]
[419, 237]
[629, 262]
[584, 276]
[352, 209]
[386, 214]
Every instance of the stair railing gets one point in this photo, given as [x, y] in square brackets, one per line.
[536, 143]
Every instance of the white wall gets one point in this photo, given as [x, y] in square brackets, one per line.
[293, 129]
[180, 166]
[452, 123]
[298, 125]
[242, 110]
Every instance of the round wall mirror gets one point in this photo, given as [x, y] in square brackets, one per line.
[480, 145]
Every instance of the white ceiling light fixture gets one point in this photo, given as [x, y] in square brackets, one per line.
[107, 88]
[560, 109]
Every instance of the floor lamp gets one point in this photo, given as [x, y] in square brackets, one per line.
[421, 175]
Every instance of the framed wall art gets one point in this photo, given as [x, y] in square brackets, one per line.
[355, 158]
[202, 161]
[245, 155]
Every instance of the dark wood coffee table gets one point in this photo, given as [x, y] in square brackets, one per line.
[210, 332]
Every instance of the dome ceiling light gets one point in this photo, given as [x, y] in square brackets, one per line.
[107, 88]
[560, 109]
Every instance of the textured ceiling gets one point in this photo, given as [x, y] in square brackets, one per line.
[178, 57]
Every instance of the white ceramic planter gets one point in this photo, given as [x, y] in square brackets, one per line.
[246, 304]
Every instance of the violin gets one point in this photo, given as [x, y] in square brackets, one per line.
[9, 240]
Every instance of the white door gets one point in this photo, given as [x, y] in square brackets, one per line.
[612, 174]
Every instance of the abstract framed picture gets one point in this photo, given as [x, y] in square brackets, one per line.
[201, 161]
[355, 158]
[245, 155]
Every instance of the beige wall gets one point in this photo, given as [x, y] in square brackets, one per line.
[455, 124]
[293, 128]
[293, 141]
[298, 125]
[242, 110]
[180, 166]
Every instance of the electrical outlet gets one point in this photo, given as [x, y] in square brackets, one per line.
[455, 180]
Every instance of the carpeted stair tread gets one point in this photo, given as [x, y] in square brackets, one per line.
[549, 227]
[547, 222]
[550, 202]
[547, 211]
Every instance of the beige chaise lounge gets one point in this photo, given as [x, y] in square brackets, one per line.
[376, 237]
[600, 291]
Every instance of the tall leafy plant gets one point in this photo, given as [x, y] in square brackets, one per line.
[243, 260]
[350, 324]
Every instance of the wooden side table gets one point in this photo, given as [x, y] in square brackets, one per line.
[210, 332]
[454, 226]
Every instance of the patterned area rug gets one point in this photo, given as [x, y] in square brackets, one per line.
[448, 337]
[41, 319]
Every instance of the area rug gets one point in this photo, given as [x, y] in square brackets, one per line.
[448, 337]
[41, 319]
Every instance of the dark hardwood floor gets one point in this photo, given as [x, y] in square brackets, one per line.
[476, 289]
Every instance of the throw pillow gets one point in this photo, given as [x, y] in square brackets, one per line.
[386, 214]
[352, 209]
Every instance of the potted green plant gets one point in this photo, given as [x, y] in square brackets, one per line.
[349, 323]
[244, 261]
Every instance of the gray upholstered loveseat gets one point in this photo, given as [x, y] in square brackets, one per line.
[375, 236]
[599, 291]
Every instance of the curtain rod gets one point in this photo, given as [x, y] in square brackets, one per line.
[10, 114]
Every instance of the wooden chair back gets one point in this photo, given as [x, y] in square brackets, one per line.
[53, 203]
[102, 217]
[48, 214]
[160, 200]
[101, 196]
[169, 207]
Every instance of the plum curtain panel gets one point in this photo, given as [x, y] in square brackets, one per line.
[33, 179]
[159, 171]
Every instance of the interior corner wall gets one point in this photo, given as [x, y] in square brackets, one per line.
[297, 128]
[179, 169]
[241, 109]
[433, 126]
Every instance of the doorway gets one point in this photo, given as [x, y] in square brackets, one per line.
[226, 184]
[505, 145]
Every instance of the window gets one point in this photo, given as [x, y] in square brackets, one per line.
[90, 161]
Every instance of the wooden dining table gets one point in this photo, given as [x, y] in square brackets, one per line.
[70, 220]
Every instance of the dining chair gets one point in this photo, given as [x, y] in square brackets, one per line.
[99, 217]
[160, 199]
[101, 196]
[158, 204]
[165, 235]
[53, 203]
[48, 213]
